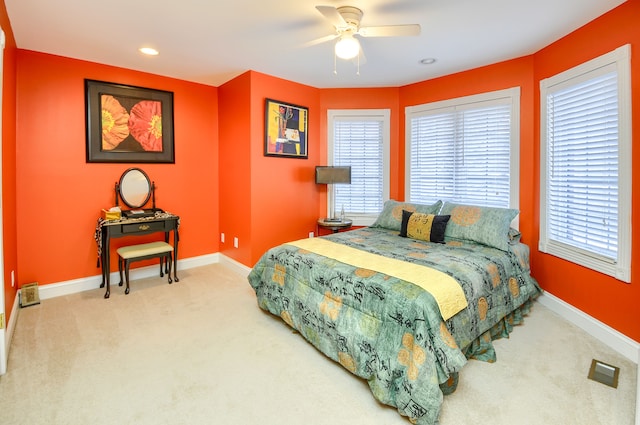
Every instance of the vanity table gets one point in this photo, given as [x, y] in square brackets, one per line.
[135, 189]
[160, 222]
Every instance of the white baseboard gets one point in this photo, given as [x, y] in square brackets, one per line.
[605, 334]
[638, 395]
[10, 327]
[234, 265]
[92, 282]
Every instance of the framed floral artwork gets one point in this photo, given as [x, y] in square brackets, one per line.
[128, 123]
[285, 129]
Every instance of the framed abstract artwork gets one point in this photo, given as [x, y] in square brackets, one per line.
[128, 123]
[285, 133]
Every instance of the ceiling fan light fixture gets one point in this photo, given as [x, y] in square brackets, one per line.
[347, 47]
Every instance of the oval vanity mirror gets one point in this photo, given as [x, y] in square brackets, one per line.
[134, 188]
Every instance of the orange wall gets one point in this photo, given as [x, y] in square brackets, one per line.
[268, 200]
[264, 200]
[59, 195]
[235, 166]
[372, 98]
[504, 75]
[9, 162]
[284, 197]
[607, 299]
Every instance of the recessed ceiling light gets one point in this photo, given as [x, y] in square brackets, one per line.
[149, 51]
[428, 61]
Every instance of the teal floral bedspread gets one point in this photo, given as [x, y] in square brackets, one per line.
[389, 331]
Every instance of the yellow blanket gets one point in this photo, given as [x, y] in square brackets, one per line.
[445, 289]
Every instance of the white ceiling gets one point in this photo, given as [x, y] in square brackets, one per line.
[212, 41]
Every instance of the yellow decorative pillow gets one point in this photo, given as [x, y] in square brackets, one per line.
[424, 227]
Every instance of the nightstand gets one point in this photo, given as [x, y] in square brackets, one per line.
[335, 226]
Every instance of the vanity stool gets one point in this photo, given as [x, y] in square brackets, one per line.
[145, 251]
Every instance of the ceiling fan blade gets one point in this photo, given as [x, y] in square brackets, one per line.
[320, 40]
[332, 15]
[390, 30]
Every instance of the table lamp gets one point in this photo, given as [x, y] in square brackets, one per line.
[333, 175]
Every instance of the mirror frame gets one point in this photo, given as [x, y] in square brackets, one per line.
[125, 182]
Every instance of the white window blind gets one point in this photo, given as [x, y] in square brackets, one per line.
[582, 175]
[582, 180]
[464, 151]
[360, 139]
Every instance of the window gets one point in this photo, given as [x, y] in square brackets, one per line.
[360, 138]
[465, 150]
[585, 175]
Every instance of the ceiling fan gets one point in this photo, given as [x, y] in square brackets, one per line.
[346, 21]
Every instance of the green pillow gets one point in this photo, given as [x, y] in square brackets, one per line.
[514, 236]
[424, 227]
[391, 215]
[485, 225]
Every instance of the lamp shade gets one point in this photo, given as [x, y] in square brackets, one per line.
[333, 174]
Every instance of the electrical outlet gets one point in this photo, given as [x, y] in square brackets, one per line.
[310, 234]
[222, 237]
[235, 242]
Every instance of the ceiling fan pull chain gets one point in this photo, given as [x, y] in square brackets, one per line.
[335, 70]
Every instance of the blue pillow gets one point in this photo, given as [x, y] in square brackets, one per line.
[485, 225]
[391, 215]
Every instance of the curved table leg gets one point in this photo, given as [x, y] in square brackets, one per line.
[176, 239]
[126, 275]
[105, 262]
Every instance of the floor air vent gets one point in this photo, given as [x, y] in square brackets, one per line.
[604, 373]
[29, 294]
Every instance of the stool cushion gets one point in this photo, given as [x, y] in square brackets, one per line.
[141, 250]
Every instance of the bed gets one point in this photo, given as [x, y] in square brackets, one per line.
[404, 303]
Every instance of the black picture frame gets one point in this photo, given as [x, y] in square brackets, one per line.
[285, 130]
[136, 133]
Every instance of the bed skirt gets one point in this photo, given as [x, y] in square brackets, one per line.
[482, 347]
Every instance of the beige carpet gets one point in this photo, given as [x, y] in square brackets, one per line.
[200, 351]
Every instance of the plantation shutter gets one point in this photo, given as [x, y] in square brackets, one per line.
[582, 157]
[462, 154]
[359, 143]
